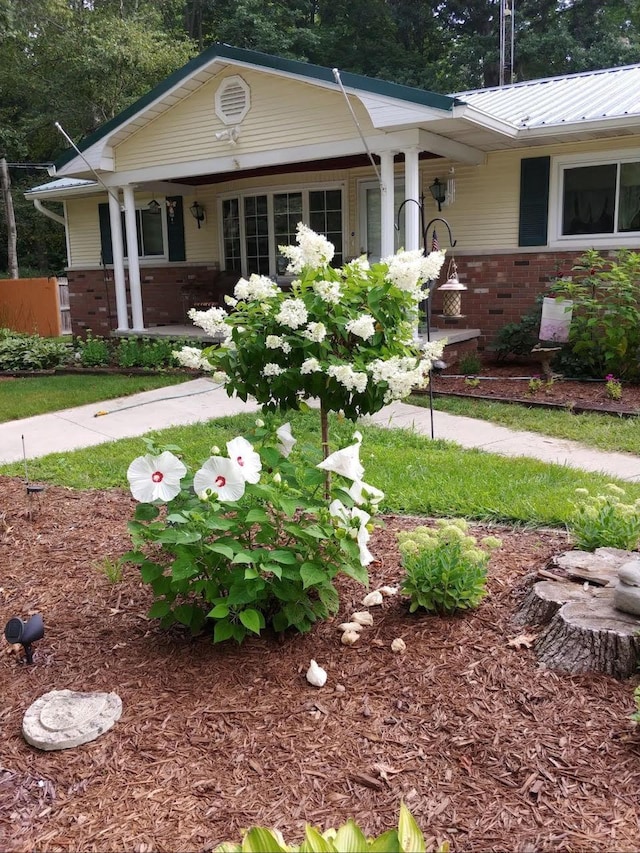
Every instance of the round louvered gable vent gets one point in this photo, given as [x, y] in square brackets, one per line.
[232, 100]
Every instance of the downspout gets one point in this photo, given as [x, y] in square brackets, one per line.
[39, 206]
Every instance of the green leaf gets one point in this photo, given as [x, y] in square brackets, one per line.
[184, 568]
[220, 611]
[252, 620]
[244, 557]
[274, 568]
[158, 609]
[256, 515]
[223, 631]
[385, 843]
[314, 842]
[137, 558]
[350, 838]
[224, 550]
[150, 571]
[146, 512]
[289, 506]
[262, 840]
[312, 574]
[184, 614]
[177, 518]
[251, 574]
[285, 557]
[409, 835]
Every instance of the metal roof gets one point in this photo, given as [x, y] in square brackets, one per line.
[62, 184]
[613, 93]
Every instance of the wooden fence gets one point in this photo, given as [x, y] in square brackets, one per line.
[31, 305]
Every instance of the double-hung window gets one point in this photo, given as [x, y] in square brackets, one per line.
[150, 232]
[254, 225]
[597, 200]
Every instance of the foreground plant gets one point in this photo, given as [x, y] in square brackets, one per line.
[248, 541]
[605, 521]
[613, 387]
[348, 838]
[446, 568]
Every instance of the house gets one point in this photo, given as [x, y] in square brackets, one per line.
[201, 180]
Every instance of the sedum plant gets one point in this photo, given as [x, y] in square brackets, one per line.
[348, 838]
[600, 521]
[248, 540]
[446, 568]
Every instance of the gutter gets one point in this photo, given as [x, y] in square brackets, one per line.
[39, 206]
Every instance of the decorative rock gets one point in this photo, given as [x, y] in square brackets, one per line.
[627, 599]
[372, 599]
[350, 626]
[349, 638]
[362, 617]
[389, 591]
[630, 573]
[64, 718]
[316, 675]
[398, 645]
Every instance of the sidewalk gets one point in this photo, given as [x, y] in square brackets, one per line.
[200, 400]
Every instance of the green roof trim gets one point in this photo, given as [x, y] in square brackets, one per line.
[276, 63]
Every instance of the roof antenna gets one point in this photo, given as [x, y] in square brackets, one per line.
[336, 77]
[59, 127]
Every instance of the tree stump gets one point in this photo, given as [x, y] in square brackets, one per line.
[590, 635]
[545, 598]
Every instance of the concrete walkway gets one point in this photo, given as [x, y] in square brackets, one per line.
[200, 400]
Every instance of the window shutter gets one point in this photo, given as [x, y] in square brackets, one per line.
[175, 228]
[105, 234]
[534, 201]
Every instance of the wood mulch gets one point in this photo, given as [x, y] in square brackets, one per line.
[487, 749]
[510, 383]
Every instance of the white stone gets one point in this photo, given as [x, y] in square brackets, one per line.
[629, 573]
[64, 718]
[362, 617]
[372, 599]
[398, 645]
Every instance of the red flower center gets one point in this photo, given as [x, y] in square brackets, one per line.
[220, 481]
[157, 476]
[240, 461]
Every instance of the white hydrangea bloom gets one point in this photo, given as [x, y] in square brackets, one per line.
[273, 342]
[313, 250]
[362, 327]
[271, 369]
[229, 300]
[328, 291]
[292, 313]
[213, 321]
[409, 270]
[347, 376]
[434, 349]
[258, 287]
[220, 377]
[402, 374]
[311, 365]
[315, 332]
[191, 357]
[359, 265]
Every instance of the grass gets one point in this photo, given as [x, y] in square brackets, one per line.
[606, 432]
[419, 476]
[27, 396]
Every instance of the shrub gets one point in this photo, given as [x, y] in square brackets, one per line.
[518, 339]
[348, 838]
[469, 364]
[31, 352]
[155, 354]
[605, 521]
[93, 352]
[247, 542]
[445, 568]
[605, 328]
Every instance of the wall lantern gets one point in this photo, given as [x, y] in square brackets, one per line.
[153, 206]
[452, 293]
[439, 192]
[198, 212]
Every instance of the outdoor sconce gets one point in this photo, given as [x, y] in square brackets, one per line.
[439, 192]
[153, 206]
[25, 633]
[198, 212]
[452, 293]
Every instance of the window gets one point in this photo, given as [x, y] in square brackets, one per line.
[371, 216]
[150, 231]
[253, 226]
[597, 198]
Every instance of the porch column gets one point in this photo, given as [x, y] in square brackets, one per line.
[412, 234]
[118, 261]
[134, 264]
[387, 209]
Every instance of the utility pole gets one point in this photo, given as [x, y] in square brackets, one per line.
[5, 185]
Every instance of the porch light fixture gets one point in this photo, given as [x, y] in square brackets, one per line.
[452, 293]
[153, 206]
[198, 212]
[439, 192]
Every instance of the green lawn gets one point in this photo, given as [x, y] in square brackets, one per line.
[606, 432]
[418, 475]
[26, 396]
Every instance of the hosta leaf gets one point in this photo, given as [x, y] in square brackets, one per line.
[409, 835]
[350, 839]
[314, 842]
[385, 843]
[262, 840]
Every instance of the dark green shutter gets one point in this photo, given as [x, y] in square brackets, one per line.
[105, 234]
[175, 228]
[534, 201]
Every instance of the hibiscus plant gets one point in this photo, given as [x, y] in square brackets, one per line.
[254, 536]
[248, 540]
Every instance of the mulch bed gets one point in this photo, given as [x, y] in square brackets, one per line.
[510, 383]
[487, 749]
